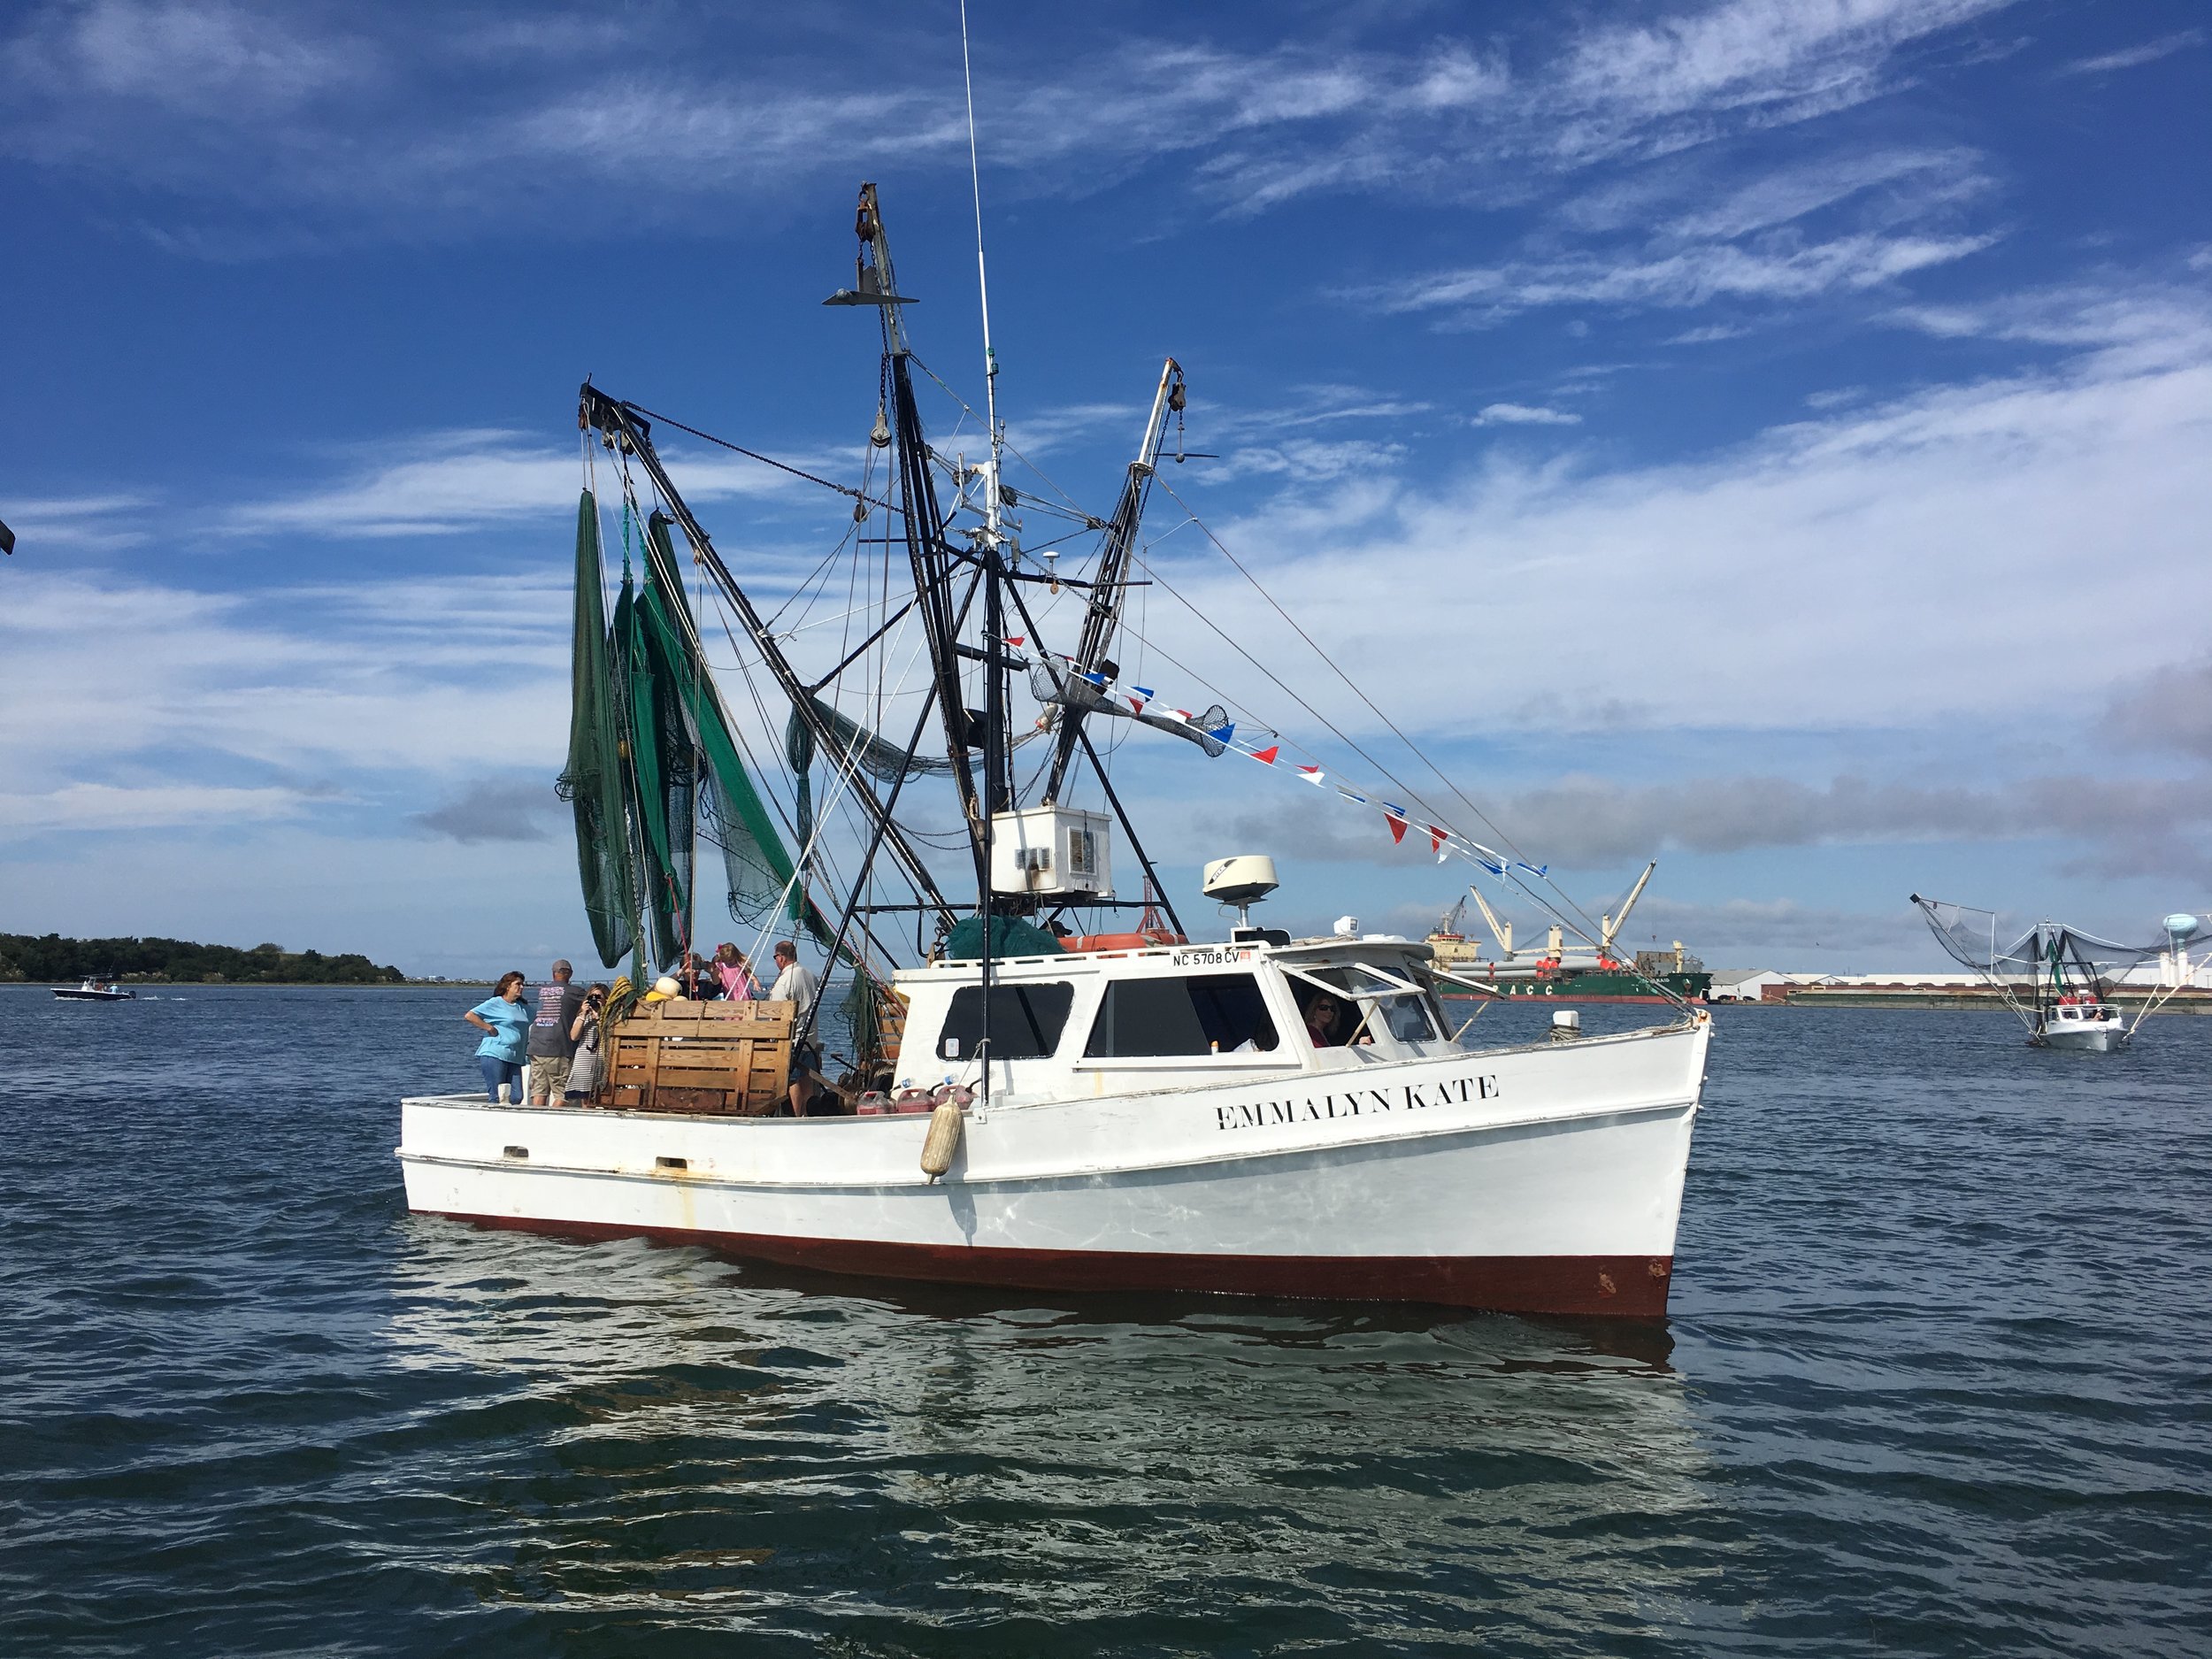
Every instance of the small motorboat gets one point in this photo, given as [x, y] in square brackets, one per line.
[95, 990]
[2070, 1024]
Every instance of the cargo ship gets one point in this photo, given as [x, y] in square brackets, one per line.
[1600, 976]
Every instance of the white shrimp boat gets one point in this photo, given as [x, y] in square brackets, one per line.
[1154, 1113]
[2059, 980]
[1542, 1178]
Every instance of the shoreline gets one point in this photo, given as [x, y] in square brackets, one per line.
[2198, 1003]
[260, 984]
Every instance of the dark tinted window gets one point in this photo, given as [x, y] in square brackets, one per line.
[1205, 1013]
[1026, 1021]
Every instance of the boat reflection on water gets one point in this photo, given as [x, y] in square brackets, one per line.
[729, 1445]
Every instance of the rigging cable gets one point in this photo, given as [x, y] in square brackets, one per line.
[845, 490]
[1337, 668]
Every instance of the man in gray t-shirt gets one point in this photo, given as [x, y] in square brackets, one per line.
[551, 1049]
[798, 986]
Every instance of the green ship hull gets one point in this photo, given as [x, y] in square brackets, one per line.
[1595, 985]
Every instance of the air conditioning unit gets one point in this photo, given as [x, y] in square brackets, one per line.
[1052, 852]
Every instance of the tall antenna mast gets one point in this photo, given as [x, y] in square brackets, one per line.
[997, 795]
[983, 292]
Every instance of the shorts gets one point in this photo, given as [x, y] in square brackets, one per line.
[549, 1075]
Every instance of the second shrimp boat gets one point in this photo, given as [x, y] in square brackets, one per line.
[1033, 1100]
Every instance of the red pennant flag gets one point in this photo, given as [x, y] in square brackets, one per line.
[1017, 639]
[1437, 838]
[1268, 753]
[1397, 827]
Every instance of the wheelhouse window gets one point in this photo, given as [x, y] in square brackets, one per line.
[1026, 1020]
[1361, 1004]
[1199, 1013]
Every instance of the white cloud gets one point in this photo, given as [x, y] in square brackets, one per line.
[386, 124]
[1524, 415]
[2135, 57]
[1711, 333]
[1313, 459]
[1911, 560]
[203, 56]
[443, 483]
[1777, 269]
[102, 676]
[89, 523]
[91, 806]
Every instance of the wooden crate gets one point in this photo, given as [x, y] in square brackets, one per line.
[890, 1020]
[728, 1058]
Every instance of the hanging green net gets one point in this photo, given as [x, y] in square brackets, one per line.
[653, 767]
[856, 745]
[758, 869]
[665, 759]
[592, 780]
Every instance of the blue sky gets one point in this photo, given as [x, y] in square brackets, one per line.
[1765, 436]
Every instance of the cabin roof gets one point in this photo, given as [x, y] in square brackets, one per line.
[1191, 958]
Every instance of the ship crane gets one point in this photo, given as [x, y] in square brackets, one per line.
[1609, 927]
[1501, 931]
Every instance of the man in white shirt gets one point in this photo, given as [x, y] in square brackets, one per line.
[798, 986]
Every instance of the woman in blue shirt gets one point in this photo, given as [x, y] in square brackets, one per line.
[506, 1025]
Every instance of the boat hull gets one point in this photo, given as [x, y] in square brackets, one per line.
[1547, 1179]
[97, 996]
[2086, 1040]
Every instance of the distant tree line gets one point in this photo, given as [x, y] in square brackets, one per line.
[180, 961]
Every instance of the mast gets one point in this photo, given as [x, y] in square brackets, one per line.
[1104, 613]
[929, 557]
[997, 756]
[991, 542]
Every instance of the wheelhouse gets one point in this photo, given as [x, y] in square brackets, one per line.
[1171, 1017]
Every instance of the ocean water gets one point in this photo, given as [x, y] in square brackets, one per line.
[1938, 1379]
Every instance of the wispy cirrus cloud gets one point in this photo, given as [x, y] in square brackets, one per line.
[1776, 270]
[89, 524]
[1524, 415]
[2136, 56]
[93, 807]
[380, 121]
[443, 483]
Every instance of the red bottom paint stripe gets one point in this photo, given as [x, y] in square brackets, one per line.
[1631, 1287]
